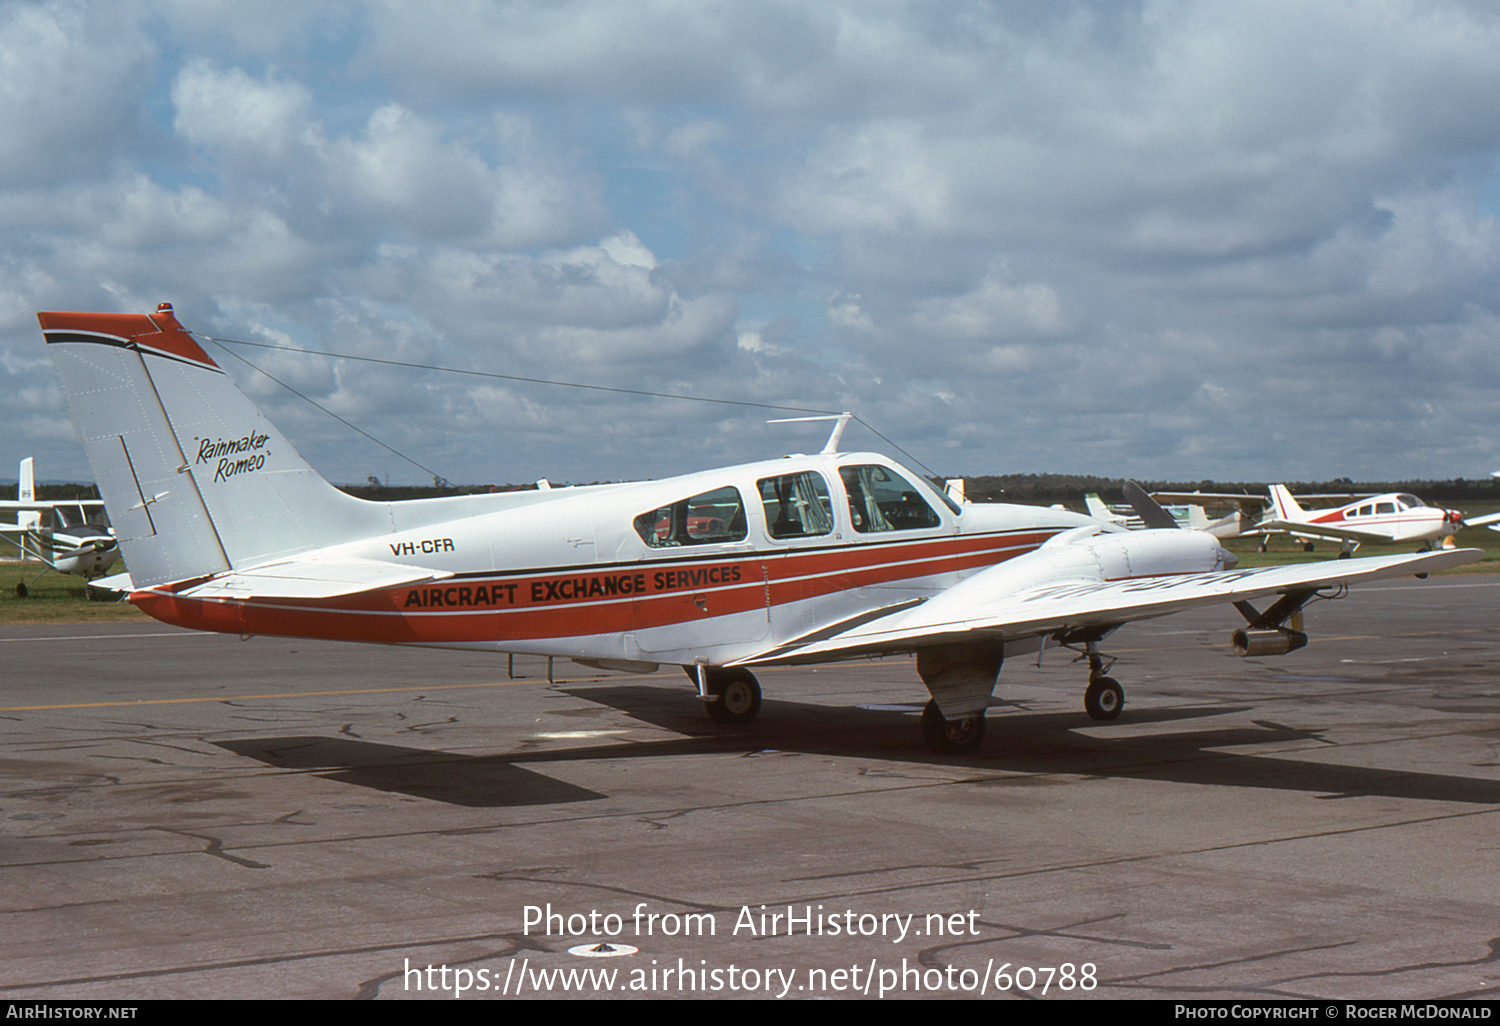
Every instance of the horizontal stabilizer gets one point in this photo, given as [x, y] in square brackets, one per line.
[311, 579]
[114, 582]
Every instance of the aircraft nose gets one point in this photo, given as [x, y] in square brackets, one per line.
[1227, 560]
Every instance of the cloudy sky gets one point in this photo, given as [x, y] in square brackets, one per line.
[1170, 239]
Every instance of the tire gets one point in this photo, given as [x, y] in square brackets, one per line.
[951, 737]
[1104, 699]
[736, 696]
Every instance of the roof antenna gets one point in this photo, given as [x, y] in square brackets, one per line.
[841, 421]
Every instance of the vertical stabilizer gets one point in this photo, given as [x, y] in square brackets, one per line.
[195, 479]
[29, 519]
[1286, 507]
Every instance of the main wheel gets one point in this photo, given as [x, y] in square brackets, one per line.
[736, 695]
[951, 737]
[1104, 699]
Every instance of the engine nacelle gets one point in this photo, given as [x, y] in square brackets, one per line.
[1264, 643]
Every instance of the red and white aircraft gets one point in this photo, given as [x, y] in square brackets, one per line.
[1393, 517]
[803, 559]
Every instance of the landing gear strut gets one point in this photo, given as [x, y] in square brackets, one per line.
[1104, 697]
[731, 694]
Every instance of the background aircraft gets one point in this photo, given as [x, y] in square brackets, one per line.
[1364, 516]
[72, 544]
[1392, 517]
[1190, 516]
[795, 560]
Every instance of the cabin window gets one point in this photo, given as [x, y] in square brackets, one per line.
[882, 500]
[796, 505]
[705, 519]
[1385, 507]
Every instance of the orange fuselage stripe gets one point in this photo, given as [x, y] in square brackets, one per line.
[591, 600]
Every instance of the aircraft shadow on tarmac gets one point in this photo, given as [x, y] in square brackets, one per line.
[475, 782]
[1020, 741]
[1017, 742]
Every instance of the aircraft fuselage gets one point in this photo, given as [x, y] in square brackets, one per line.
[758, 554]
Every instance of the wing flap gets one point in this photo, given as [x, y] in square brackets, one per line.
[1084, 602]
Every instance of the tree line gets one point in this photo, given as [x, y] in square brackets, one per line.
[1041, 489]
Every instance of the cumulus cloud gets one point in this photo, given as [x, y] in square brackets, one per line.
[1168, 238]
[72, 83]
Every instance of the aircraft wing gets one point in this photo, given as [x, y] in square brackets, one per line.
[1251, 504]
[1327, 532]
[1490, 520]
[311, 579]
[966, 612]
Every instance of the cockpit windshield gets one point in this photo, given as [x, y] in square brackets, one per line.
[882, 500]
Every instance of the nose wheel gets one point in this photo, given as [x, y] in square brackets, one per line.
[730, 694]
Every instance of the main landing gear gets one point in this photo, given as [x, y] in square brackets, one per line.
[1104, 698]
[730, 694]
[951, 737]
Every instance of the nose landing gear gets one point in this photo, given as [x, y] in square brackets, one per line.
[730, 694]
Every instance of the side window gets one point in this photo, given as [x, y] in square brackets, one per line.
[796, 505]
[706, 519]
[1385, 507]
[1364, 511]
[882, 500]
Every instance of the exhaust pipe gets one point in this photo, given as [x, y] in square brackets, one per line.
[1264, 643]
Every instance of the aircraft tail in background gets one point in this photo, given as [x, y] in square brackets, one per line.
[27, 519]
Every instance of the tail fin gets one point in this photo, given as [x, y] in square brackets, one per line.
[1286, 507]
[29, 519]
[1147, 508]
[195, 479]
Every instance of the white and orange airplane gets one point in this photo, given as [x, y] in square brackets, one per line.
[1392, 517]
[796, 560]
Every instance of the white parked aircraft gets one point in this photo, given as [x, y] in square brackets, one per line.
[1392, 517]
[796, 560]
[75, 546]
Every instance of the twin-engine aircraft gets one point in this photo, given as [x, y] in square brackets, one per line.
[73, 545]
[796, 560]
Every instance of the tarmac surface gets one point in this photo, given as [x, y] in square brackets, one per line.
[195, 816]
